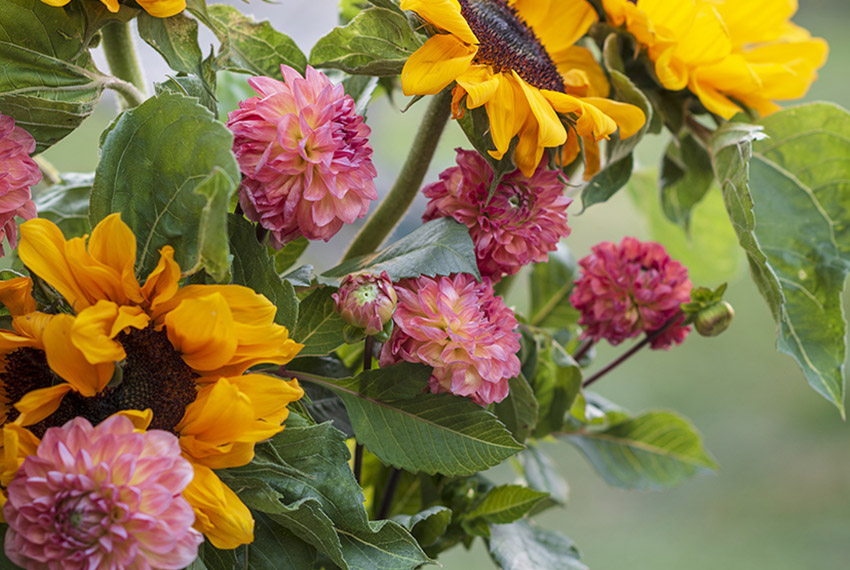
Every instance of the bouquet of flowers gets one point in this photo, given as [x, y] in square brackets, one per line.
[179, 392]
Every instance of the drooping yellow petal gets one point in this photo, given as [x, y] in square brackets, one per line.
[592, 161]
[269, 395]
[628, 118]
[550, 131]
[507, 110]
[111, 5]
[69, 362]
[141, 419]
[219, 514]
[201, 329]
[581, 74]
[444, 14]
[38, 404]
[94, 329]
[16, 295]
[570, 150]
[259, 344]
[528, 153]
[163, 282]
[755, 21]
[436, 64]
[480, 84]
[246, 305]
[18, 443]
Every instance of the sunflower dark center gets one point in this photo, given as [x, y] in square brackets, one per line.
[507, 43]
[153, 376]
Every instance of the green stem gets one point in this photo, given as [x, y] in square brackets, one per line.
[406, 186]
[121, 56]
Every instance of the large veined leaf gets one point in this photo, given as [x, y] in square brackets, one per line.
[377, 41]
[49, 83]
[502, 505]
[167, 166]
[406, 428]
[651, 451]
[791, 210]
[319, 326]
[302, 481]
[253, 268]
[439, 247]
[521, 546]
[427, 526]
[66, 204]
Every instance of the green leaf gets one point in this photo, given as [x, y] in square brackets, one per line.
[301, 479]
[167, 166]
[66, 204]
[521, 546]
[439, 247]
[253, 268]
[505, 504]
[319, 326]
[49, 83]
[541, 474]
[791, 216]
[176, 40]
[618, 166]
[686, 177]
[427, 526]
[255, 47]
[276, 547]
[556, 383]
[377, 42]
[551, 284]
[285, 257]
[434, 433]
[651, 451]
[518, 411]
[190, 86]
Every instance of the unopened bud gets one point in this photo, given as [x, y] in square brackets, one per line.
[366, 301]
[714, 319]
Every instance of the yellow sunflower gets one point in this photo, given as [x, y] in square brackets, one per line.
[517, 59]
[156, 8]
[727, 52]
[169, 358]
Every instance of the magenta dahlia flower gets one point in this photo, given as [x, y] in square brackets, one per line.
[105, 497]
[366, 301]
[631, 288]
[459, 327]
[304, 155]
[522, 222]
[17, 173]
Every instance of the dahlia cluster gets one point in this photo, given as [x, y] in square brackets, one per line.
[460, 328]
[304, 155]
[519, 224]
[631, 288]
[17, 173]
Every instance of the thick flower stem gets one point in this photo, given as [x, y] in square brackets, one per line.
[121, 56]
[389, 493]
[406, 186]
[631, 352]
[368, 344]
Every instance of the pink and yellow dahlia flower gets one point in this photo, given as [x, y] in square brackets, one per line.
[460, 328]
[304, 155]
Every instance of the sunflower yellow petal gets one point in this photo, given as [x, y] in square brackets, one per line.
[571, 148]
[507, 110]
[69, 362]
[42, 249]
[582, 75]
[270, 395]
[94, 330]
[201, 329]
[161, 8]
[141, 419]
[111, 5]
[444, 14]
[38, 404]
[558, 24]
[629, 118]
[258, 344]
[18, 443]
[113, 244]
[16, 295]
[219, 514]
[436, 64]
[480, 84]
[550, 131]
[592, 161]
[163, 282]
[528, 153]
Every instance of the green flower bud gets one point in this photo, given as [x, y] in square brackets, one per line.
[714, 319]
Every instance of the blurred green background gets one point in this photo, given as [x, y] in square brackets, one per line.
[781, 499]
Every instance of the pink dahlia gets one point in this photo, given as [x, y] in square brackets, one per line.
[522, 222]
[631, 288]
[459, 327]
[17, 173]
[304, 155]
[105, 497]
